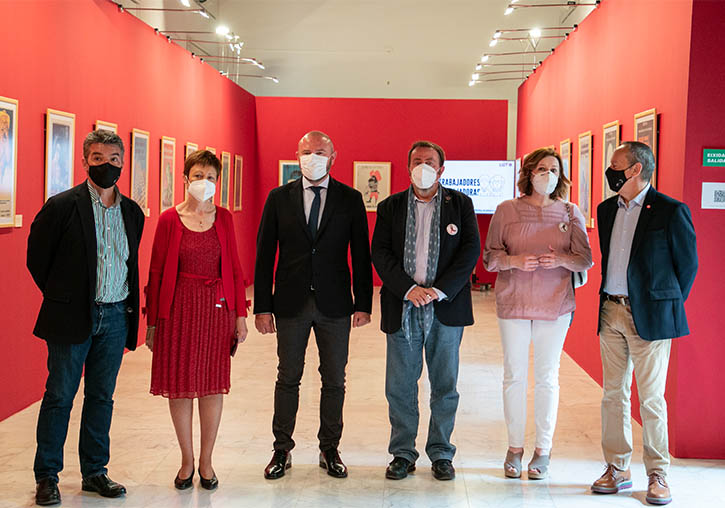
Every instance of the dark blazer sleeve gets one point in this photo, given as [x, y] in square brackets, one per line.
[362, 271]
[45, 233]
[457, 274]
[267, 236]
[683, 246]
[388, 265]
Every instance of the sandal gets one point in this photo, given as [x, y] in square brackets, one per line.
[539, 463]
[513, 461]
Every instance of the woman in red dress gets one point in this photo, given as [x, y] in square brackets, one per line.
[196, 308]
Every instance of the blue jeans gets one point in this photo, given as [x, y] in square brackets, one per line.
[403, 369]
[101, 356]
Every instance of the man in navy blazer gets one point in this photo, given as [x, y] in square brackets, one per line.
[309, 225]
[649, 262]
[424, 248]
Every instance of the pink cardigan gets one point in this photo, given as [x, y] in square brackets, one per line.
[165, 262]
[520, 228]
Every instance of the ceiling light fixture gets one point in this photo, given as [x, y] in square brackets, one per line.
[222, 30]
[535, 33]
[185, 3]
[203, 13]
[508, 11]
[497, 34]
[484, 58]
[493, 42]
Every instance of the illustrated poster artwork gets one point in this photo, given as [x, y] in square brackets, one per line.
[372, 179]
[168, 155]
[106, 126]
[140, 169]
[585, 177]
[565, 154]
[8, 160]
[225, 180]
[645, 131]
[238, 164]
[610, 142]
[289, 171]
[59, 137]
[190, 148]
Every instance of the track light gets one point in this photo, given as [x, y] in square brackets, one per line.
[535, 33]
[474, 76]
[471, 83]
[203, 13]
[497, 34]
[508, 11]
[484, 58]
[479, 67]
[493, 42]
[185, 3]
[222, 30]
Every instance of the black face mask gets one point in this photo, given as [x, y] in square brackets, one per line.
[616, 178]
[104, 175]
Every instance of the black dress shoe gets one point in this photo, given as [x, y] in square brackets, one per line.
[209, 484]
[186, 483]
[399, 468]
[330, 460]
[280, 463]
[46, 492]
[443, 470]
[103, 485]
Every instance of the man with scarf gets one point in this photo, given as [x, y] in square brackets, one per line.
[424, 248]
[83, 256]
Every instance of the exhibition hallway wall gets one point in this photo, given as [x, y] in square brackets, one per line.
[89, 59]
[381, 130]
[625, 58]
[101, 64]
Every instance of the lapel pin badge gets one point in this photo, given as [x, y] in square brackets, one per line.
[452, 229]
[563, 227]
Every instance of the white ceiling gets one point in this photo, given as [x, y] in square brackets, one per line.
[367, 48]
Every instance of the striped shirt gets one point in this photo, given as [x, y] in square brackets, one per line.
[111, 249]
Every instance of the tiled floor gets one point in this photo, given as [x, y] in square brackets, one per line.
[145, 458]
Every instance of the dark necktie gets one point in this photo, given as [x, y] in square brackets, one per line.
[314, 211]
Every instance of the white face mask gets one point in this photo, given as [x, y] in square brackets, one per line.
[313, 166]
[424, 176]
[545, 183]
[202, 190]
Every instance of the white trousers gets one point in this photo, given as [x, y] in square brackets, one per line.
[548, 338]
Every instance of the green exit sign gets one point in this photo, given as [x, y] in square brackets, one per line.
[713, 157]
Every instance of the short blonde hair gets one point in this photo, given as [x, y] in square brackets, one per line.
[529, 165]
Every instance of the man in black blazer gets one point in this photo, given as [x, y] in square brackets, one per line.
[649, 262]
[83, 256]
[424, 248]
[310, 224]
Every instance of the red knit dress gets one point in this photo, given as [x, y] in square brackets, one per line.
[191, 351]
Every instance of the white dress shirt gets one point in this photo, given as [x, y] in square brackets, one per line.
[308, 196]
[620, 243]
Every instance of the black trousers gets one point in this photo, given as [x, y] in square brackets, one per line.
[333, 337]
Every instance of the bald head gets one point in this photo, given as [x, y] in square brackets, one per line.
[316, 137]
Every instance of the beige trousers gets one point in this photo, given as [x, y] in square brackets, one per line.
[622, 351]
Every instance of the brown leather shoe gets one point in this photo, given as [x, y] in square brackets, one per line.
[612, 481]
[658, 492]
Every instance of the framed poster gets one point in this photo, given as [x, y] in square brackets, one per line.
[106, 126]
[211, 149]
[289, 171]
[225, 180]
[59, 135]
[565, 154]
[190, 148]
[610, 142]
[238, 163]
[585, 177]
[140, 169]
[8, 160]
[372, 179]
[168, 156]
[645, 131]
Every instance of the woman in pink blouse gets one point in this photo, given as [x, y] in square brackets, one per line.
[535, 242]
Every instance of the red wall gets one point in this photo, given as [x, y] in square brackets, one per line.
[698, 359]
[380, 130]
[89, 59]
[626, 57]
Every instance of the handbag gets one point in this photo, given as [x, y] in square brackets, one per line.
[578, 279]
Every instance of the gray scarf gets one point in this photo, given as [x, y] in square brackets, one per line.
[409, 261]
